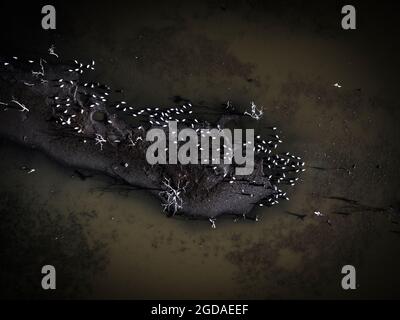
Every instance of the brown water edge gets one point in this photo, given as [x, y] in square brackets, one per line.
[150, 256]
[208, 54]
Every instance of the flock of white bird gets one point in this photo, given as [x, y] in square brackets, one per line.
[70, 112]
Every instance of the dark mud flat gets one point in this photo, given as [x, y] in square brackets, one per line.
[48, 106]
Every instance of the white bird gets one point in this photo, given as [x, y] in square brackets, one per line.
[212, 220]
